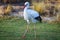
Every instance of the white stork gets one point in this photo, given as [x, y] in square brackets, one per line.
[30, 15]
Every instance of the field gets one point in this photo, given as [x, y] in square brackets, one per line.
[13, 29]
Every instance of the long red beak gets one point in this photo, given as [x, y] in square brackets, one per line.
[24, 6]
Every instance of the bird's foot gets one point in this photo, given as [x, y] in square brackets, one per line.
[23, 36]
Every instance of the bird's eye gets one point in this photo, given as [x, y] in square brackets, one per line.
[26, 4]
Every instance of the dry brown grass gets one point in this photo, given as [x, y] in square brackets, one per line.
[56, 19]
[8, 9]
[39, 7]
[1, 10]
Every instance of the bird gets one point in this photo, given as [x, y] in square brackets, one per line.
[30, 15]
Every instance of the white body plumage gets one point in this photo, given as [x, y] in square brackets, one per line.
[30, 14]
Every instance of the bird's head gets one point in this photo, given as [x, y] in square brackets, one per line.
[26, 4]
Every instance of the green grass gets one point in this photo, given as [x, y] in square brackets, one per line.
[13, 29]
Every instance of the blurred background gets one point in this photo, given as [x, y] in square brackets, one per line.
[48, 9]
[12, 24]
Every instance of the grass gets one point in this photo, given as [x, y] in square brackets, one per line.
[13, 29]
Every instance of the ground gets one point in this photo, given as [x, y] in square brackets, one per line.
[13, 29]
